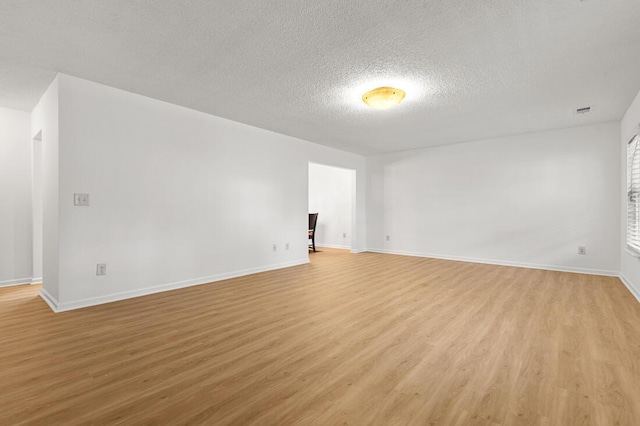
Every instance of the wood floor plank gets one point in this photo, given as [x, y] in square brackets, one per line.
[348, 339]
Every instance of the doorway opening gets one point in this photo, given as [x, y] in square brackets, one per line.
[37, 204]
[332, 195]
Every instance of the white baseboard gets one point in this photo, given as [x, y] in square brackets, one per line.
[57, 306]
[503, 263]
[17, 281]
[36, 280]
[67, 306]
[51, 301]
[336, 246]
[630, 287]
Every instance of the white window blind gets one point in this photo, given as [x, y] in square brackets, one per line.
[633, 194]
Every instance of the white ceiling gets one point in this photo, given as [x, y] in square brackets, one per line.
[471, 69]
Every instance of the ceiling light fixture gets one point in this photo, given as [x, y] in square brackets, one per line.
[383, 97]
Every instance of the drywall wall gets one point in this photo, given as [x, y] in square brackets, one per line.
[177, 197]
[44, 126]
[15, 198]
[531, 200]
[331, 196]
[36, 206]
[629, 264]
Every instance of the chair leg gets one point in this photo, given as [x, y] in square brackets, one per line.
[313, 242]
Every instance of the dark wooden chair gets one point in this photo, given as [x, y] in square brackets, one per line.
[313, 219]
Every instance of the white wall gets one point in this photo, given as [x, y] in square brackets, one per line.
[178, 197]
[37, 208]
[15, 198]
[629, 264]
[525, 200]
[331, 196]
[44, 125]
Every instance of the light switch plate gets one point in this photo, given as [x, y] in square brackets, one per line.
[80, 199]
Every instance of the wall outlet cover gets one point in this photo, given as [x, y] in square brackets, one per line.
[101, 269]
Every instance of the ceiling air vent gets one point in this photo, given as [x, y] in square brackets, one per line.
[584, 110]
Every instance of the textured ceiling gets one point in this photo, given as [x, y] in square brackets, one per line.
[471, 69]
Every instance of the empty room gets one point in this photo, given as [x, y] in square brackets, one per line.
[419, 212]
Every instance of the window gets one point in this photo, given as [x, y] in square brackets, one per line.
[633, 194]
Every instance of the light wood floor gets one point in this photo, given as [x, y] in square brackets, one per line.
[348, 339]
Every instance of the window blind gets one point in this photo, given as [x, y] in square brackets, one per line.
[633, 194]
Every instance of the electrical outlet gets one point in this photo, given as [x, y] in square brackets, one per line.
[286, 246]
[101, 269]
[80, 199]
[388, 238]
[275, 247]
[582, 250]
[344, 235]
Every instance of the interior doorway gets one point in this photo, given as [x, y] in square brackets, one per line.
[37, 203]
[332, 194]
